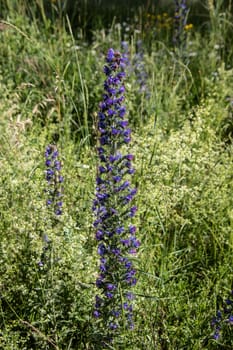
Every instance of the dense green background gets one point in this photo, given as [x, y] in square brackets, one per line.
[51, 82]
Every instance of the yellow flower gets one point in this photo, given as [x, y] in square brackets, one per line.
[188, 26]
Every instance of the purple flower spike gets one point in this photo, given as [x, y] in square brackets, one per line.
[112, 206]
[53, 201]
[54, 179]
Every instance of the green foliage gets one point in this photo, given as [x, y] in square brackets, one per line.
[50, 86]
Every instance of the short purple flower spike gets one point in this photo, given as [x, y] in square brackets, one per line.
[54, 179]
[54, 193]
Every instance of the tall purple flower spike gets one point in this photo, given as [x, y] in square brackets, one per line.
[113, 206]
